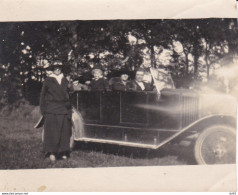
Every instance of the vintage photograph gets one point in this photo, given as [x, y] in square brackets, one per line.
[115, 93]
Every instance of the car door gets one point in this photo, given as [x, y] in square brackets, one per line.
[132, 108]
[88, 104]
[110, 108]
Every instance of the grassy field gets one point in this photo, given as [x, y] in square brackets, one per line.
[21, 148]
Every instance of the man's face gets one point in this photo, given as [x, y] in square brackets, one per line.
[57, 71]
[139, 76]
[124, 77]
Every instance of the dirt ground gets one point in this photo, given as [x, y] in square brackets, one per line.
[21, 148]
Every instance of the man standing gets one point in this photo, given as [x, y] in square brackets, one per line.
[138, 84]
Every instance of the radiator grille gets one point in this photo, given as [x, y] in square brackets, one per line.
[189, 110]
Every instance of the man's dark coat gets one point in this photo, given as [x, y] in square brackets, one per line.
[134, 86]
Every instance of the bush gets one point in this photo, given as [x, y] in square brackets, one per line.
[20, 109]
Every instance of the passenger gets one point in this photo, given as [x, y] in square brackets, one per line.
[138, 84]
[98, 83]
[79, 86]
[105, 74]
[48, 70]
[121, 84]
[147, 76]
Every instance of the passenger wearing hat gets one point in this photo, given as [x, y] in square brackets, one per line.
[98, 83]
[79, 86]
[56, 108]
[48, 69]
[120, 83]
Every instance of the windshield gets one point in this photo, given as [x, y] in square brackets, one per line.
[162, 79]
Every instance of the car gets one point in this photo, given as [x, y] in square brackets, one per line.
[152, 120]
[146, 120]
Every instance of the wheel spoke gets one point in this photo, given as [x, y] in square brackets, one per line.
[216, 145]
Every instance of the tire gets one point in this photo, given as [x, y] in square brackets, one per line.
[216, 145]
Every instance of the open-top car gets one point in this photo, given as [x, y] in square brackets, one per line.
[151, 120]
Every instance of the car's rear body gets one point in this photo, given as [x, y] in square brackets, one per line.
[144, 119]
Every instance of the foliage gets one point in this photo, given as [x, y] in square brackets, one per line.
[193, 48]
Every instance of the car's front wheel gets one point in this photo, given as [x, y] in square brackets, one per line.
[216, 145]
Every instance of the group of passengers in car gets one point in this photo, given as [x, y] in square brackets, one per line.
[122, 83]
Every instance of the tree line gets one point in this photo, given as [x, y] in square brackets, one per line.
[190, 49]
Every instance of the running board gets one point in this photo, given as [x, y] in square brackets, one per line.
[104, 141]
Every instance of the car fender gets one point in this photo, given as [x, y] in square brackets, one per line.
[210, 120]
[199, 125]
[77, 124]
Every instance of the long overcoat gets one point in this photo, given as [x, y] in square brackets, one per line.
[56, 108]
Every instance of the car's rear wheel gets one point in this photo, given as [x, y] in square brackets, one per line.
[216, 145]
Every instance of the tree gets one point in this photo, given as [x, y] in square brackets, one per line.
[193, 46]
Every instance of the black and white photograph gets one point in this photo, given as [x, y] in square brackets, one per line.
[118, 93]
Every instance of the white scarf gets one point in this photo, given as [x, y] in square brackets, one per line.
[58, 78]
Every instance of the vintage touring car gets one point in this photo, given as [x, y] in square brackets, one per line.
[151, 120]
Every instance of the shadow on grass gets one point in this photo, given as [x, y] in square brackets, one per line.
[184, 154]
[21, 148]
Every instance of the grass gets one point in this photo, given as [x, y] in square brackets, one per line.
[21, 148]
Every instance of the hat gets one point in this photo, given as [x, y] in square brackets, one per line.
[121, 72]
[57, 64]
[52, 66]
